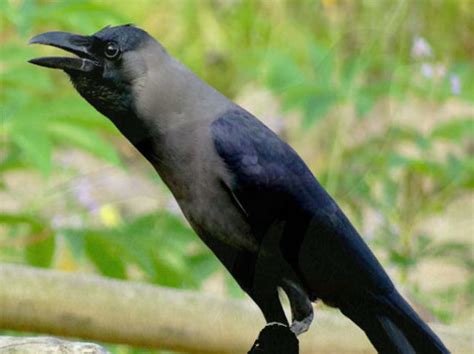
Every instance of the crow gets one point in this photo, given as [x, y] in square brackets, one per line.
[245, 192]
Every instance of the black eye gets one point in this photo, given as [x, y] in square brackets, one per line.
[111, 50]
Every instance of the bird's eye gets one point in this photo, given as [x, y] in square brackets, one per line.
[111, 50]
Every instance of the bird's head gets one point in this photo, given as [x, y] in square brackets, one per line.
[107, 65]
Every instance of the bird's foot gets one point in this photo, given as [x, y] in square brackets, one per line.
[275, 338]
[298, 327]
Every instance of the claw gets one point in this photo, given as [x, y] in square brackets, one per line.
[299, 327]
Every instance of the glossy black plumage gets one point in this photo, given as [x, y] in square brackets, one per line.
[273, 183]
[332, 261]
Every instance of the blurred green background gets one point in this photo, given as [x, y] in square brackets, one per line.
[377, 96]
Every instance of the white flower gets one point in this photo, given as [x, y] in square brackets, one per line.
[420, 48]
[82, 192]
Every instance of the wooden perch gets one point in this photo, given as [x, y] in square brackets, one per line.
[142, 315]
[47, 345]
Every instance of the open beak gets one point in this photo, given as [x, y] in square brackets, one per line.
[73, 43]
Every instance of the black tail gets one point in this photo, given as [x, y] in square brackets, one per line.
[393, 326]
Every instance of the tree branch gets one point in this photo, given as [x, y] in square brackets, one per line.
[47, 345]
[142, 315]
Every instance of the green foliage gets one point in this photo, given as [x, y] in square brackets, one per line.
[40, 253]
[405, 190]
[38, 116]
[454, 131]
[164, 250]
[323, 86]
[322, 80]
[39, 246]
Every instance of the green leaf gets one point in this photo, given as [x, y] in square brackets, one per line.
[401, 259]
[40, 254]
[283, 72]
[317, 107]
[363, 104]
[168, 271]
[85, 139]
[425, 167]
[105, 254]
[423, 142]
[14, 219]
[18, 76]
[233, 289]
[454, 130]
[457, 250]
[203, 264]
[35, 146]
[321, 60]
[352, 69]
[75, 239]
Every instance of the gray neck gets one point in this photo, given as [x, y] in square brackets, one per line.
[177, 108]
[171, 98]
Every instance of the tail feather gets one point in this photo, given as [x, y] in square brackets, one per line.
[393, 326]
[396, 336]
[382, 333]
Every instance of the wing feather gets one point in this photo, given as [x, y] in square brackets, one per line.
[272, 183]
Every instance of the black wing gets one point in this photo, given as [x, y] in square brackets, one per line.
[272, 183]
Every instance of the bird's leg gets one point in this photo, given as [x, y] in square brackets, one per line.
[265, 294]
[276, 337]
[301, 307]
[267, 276]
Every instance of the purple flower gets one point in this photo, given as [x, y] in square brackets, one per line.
[455, 84]
[84, 197]
[427, 70]
[420, 48]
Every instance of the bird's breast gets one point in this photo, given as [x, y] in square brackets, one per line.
[189, 166]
